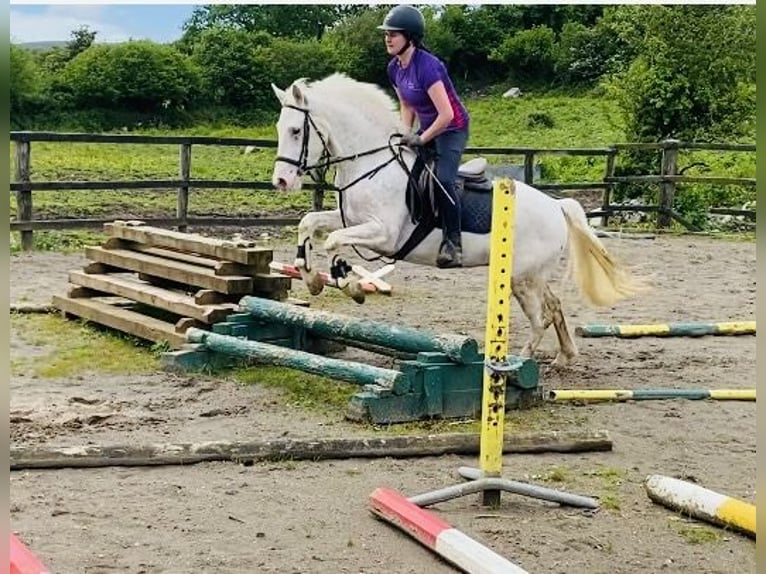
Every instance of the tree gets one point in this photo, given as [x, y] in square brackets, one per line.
[286, 20]
[82, 39]
[24, 78]
[694, 71]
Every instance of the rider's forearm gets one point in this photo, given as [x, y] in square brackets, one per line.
[440, 124]
[408, 118]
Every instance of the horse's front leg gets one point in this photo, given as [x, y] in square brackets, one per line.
[308, 228]
[371, 235]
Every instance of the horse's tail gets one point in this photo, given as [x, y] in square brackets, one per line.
[601, 279]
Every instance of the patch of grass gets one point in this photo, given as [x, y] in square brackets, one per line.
[556, 474]
[59, 241]
[698, 533]
[304, 389]
[610, 501]
[612, 479]
[75, 348]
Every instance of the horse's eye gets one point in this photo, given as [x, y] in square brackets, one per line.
[295, 132]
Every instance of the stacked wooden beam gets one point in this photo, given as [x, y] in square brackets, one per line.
[156, 283]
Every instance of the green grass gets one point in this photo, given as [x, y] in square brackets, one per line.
[67, 348]
[306, 390]
[698, 533]
[611, 481]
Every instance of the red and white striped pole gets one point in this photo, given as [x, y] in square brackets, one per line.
[436, 534]
[22, 559]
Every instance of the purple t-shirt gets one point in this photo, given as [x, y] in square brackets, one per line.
[413, 82]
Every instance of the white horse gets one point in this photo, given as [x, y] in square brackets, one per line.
[350, 125]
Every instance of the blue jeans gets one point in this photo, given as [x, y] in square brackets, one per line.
[449, 150]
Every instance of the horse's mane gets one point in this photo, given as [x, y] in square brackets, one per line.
[367, 99]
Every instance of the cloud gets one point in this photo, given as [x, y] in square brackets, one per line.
[56, 23]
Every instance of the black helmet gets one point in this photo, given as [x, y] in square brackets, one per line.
[405, 19]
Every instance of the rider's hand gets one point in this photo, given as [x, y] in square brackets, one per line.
[412, 140]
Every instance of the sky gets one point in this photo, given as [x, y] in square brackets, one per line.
[112, 22]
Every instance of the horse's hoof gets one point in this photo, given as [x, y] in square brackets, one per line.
[354, 290]
[562, 360]
[315, 285]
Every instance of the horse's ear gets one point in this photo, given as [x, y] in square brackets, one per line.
[281, 95]
[300, 99]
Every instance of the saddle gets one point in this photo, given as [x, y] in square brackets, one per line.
[472, 176]
[474, 192]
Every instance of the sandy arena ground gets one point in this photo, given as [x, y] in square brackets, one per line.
[308, 517]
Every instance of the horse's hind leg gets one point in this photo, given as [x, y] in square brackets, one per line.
[529, 294]
[311, 224]
[554, 314]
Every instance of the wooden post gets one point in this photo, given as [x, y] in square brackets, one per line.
[607, 199]
[24, 196]
[667, 188]
[529, 167]
[318, 199]
[496, 334]
[182, 206]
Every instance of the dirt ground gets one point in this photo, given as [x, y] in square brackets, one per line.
[307, 517]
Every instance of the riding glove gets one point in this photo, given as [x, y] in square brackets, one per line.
[412, 140]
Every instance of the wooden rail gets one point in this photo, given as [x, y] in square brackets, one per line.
[23, 186]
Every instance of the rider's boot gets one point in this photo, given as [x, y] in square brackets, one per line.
[450, 251]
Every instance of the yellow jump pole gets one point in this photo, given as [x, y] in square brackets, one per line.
[560, 395]
[496, 334]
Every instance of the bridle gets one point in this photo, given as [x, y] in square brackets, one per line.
[318, 170]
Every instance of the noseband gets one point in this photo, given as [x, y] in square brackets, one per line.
[302, 162]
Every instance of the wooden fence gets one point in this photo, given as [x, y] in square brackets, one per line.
[667, 179]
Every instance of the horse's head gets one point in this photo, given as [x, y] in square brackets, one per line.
[302, 141]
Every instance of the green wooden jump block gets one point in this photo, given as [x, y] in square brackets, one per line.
[443, 389]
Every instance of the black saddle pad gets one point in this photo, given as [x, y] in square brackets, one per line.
[476, 205]
[475, 193]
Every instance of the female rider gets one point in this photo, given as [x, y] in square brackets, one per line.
[425, 91]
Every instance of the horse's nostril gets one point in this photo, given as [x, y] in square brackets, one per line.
[282, 183]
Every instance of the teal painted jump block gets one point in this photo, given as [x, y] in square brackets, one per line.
[440, 388]
[428, 384]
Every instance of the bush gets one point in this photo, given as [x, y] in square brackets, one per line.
[529, 55]
[142, 76]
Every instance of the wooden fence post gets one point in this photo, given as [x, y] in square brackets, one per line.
[182, 205]
[24, 196]
[667, 188]
[607, 198]
[529, 167]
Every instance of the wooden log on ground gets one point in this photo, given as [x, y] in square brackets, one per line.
[33, 308]
[91, 456]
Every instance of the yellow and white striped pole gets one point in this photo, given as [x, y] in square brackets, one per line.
[496, 334]
[701, 503]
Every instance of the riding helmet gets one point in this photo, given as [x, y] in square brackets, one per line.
[405, 19]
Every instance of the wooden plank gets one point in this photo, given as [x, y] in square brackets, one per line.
[143, 292]
[121, 319]
[39, 224]
[243, 253]
[167, 253]
[27, 136]
[173, 270]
